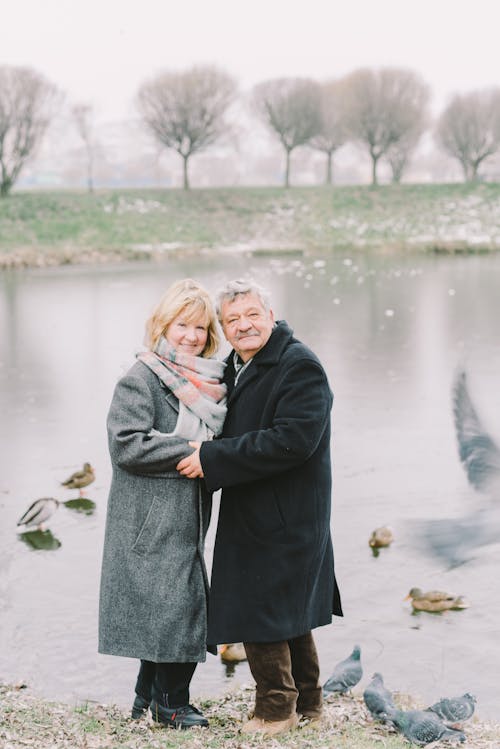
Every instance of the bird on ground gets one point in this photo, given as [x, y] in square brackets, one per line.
[381, 537]
[233, 652]
[456, 540]
[454, 710]
[38, 512]
[377, 698]
[79, 479]
[346, 674]
[422, 727]
[435, 600]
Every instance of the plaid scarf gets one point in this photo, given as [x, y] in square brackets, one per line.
[195, 381]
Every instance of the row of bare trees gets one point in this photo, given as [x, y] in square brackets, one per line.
[384, 111]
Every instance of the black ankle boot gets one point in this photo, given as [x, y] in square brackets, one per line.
[140, 707]
[186, 716]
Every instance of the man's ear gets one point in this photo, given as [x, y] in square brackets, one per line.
[271, 315]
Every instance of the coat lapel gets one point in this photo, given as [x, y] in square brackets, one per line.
[172, 400]
[266, 357]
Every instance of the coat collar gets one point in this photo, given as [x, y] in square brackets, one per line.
[267, 356]
[280, 337]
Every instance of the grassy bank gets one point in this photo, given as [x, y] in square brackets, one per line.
[28, 721]
[43, 228]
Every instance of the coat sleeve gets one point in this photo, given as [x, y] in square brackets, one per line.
[130, 419]
[302, 413]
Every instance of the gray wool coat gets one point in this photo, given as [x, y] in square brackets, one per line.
[154, 588]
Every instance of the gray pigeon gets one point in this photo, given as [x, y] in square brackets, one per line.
[422, 727]
[377, 698]
[346, 674]
[456, 540]
[455, 709]
[478, 452]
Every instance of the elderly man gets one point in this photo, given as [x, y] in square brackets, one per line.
[273, 577]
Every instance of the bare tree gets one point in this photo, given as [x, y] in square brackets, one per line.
[333, 133]
[185, 111]
[469, 129]
[383, 106]
[26, 105]
[399, 154]
[82, 115]
[291, 108]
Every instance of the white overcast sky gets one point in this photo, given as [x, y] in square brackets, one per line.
[100, 51]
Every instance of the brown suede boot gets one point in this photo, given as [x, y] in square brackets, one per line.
[263, 727]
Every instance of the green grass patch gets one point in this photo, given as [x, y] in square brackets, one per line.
[58, 227]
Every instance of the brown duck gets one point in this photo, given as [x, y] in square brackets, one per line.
[435, 600]
[381, 537]
[233, 652]
[79, 479]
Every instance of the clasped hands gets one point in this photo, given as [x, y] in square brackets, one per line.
[190, 467]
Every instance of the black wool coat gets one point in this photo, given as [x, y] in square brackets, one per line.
[273, 572]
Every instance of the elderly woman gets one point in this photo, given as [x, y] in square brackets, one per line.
[154, 590]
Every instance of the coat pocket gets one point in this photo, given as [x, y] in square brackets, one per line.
[149, 528]
[263, 514]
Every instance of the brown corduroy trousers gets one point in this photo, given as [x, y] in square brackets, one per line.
[287, 678]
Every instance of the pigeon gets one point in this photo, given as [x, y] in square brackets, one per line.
[457, 540]
[346, 674]
[377, 698]
[422, 726]
[40, 511]
[478, 452]
[455, 709]
[79, 479]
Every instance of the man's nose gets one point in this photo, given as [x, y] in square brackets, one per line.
[244, 323]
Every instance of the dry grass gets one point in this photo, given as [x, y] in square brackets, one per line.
[26, 721]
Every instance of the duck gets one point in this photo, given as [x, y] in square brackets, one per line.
[435, 600]
[233, 652]
[38, 512]
[346, 674]
[381, 537]
[79, 479]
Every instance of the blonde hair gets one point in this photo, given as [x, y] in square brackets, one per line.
[189, 297]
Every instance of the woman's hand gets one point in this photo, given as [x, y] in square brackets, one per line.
[190, 467]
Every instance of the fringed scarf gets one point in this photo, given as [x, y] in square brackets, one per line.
[196, 382]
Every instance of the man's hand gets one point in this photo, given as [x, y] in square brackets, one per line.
[190, 467]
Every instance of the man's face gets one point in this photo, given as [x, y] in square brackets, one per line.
[246, 324]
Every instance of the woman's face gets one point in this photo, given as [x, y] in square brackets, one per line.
[187, 336]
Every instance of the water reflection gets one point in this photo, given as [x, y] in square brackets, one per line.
[389, 330]
[40, 540]
[82, 504]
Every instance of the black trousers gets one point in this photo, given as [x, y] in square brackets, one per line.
[167, 683]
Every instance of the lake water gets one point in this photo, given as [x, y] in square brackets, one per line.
[390, 331]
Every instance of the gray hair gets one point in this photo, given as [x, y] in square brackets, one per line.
[232, 289]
